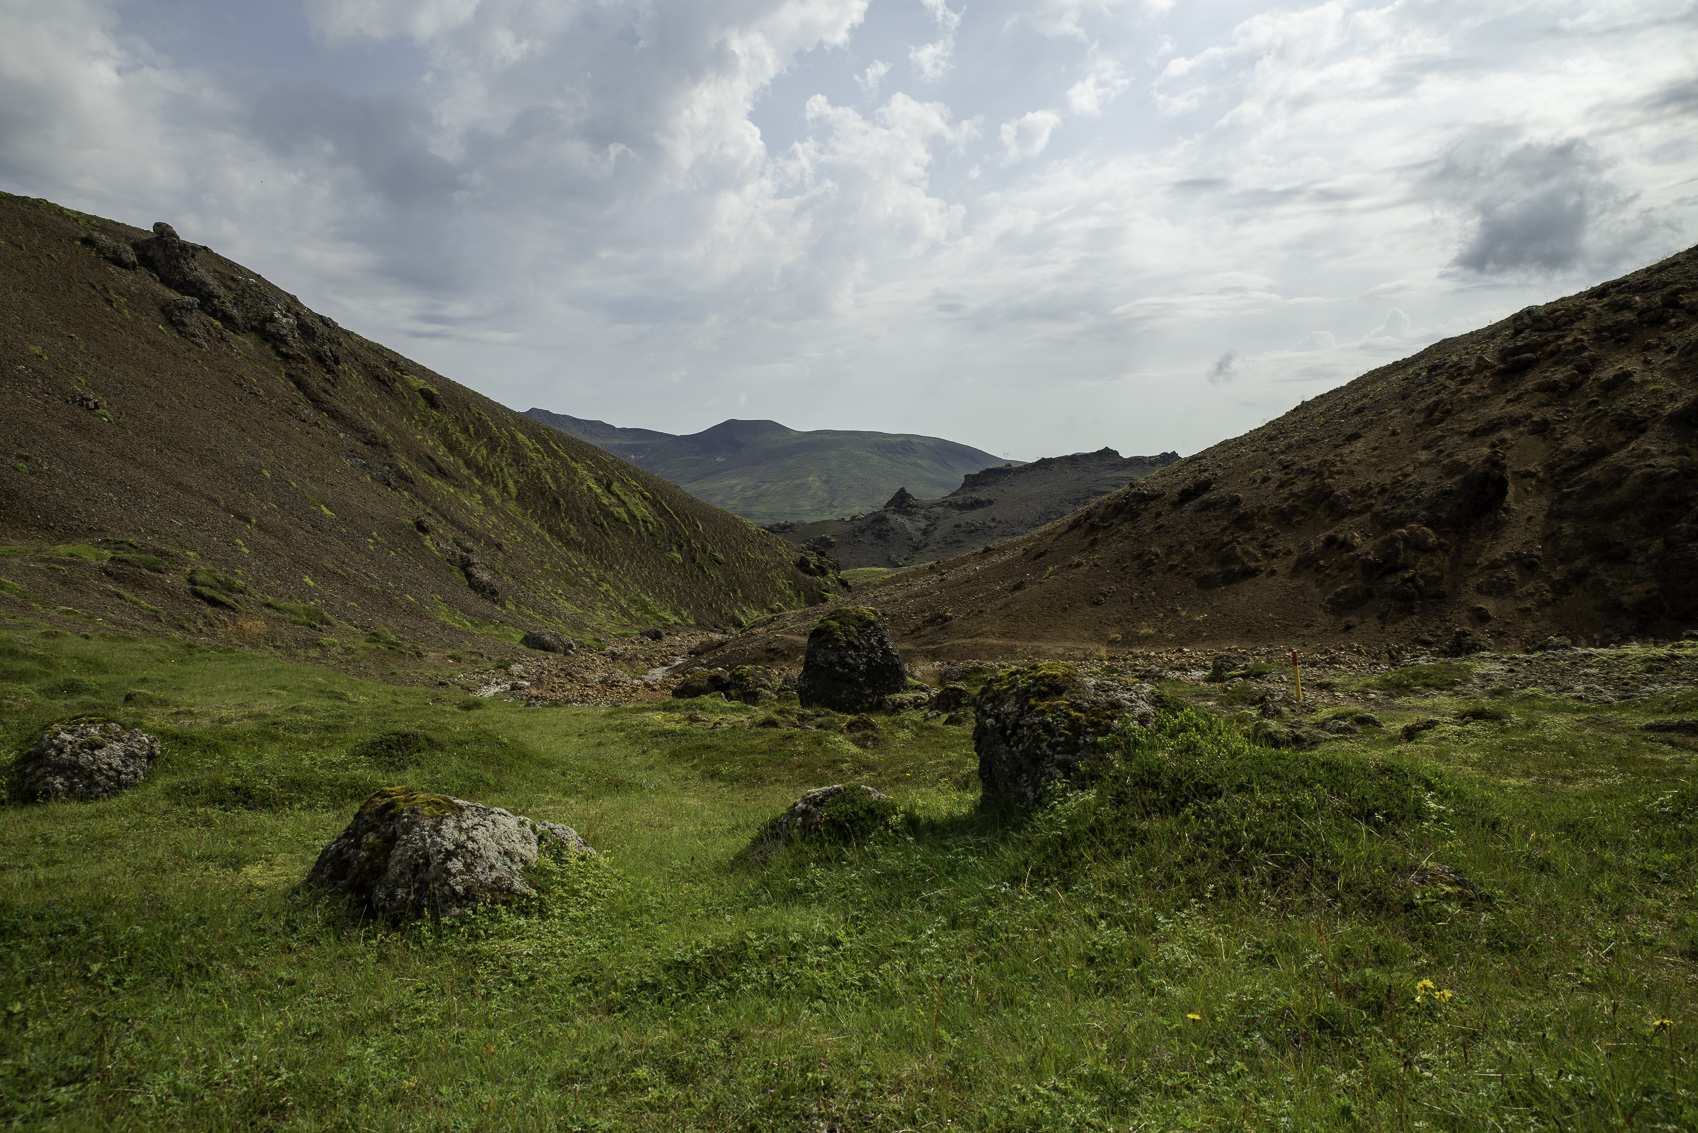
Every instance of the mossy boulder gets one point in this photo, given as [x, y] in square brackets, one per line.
[837, 814]
[409, 853]
[710, 682]
[852, 662]
[754, 684]
[1037, 725]
[85, 758]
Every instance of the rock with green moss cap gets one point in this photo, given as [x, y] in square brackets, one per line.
[837, 813]
[852, 662]
[85, 758]
[408, 853]
[1036, 725]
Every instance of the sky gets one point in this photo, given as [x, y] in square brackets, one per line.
[1034, 226]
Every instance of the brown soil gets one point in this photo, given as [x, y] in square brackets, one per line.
[997, 503]
[1533, 478]
[322, 485]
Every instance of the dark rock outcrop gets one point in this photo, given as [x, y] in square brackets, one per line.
[852, 662]
[86, 758]
[1037, 725]
[408, 853]
[548, 641]
[710, 682]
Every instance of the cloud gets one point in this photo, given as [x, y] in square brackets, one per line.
[873, 76]
[1025, 137]
[1395, 326]
[1102, 85]
[381, 19]
[1536, 206]
[931, 61]
[1225, 369]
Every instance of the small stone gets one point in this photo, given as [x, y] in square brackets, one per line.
[651, 634]
[1225, 665]
[950, 697]
[86, 758]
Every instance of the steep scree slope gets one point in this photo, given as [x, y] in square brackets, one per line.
[769, 473]
[1536, 477]
[186, 445]
[996, 503]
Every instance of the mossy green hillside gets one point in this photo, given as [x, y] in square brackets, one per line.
[333, 476]
[1490, 926]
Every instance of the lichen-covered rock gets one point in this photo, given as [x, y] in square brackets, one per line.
[836, 813]
[548, 641]
[852, 662]
[1037, 725]
[408, 853]
[86, 758]
[753, 684]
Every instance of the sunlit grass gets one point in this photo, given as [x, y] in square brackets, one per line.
[1114, 962]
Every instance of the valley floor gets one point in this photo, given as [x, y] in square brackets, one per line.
[1516, 948]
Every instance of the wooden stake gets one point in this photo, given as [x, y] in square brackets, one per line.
[1297, 675]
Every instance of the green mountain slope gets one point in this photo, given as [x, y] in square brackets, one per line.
[188, 445]
[769, 473]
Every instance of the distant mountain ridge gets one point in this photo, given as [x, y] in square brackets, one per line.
[770, 473]
[991, 504]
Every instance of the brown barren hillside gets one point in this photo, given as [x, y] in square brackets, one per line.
[187, 446]
[1533, 478]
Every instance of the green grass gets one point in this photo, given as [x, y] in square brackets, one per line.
[1477, 929]
[865, 576]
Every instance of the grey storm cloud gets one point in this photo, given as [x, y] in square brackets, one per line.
[1531, 207]
[1225, 368]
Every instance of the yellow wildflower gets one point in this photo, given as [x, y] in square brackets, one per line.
[1194, 1017]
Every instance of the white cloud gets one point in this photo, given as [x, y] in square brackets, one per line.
[1025, 137]
[873, 76]
[931, 61]
[1104, 83]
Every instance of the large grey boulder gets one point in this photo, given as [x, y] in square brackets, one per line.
[86, 758]
[408, 853]
[1037, 725]
[852, 662]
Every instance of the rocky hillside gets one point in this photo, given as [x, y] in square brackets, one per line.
[187, 445]
[766, 472]
[1536, 477]
[997, 503]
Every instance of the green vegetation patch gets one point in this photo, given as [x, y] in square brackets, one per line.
[1219, 816]
[1438, 676]
[1204, 934]
[303, 614]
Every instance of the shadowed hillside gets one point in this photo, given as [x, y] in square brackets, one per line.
[997, 503]
[1536, 477]
[188, 446]
[771, 474]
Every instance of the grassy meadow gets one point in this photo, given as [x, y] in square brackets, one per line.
[1490, 925]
